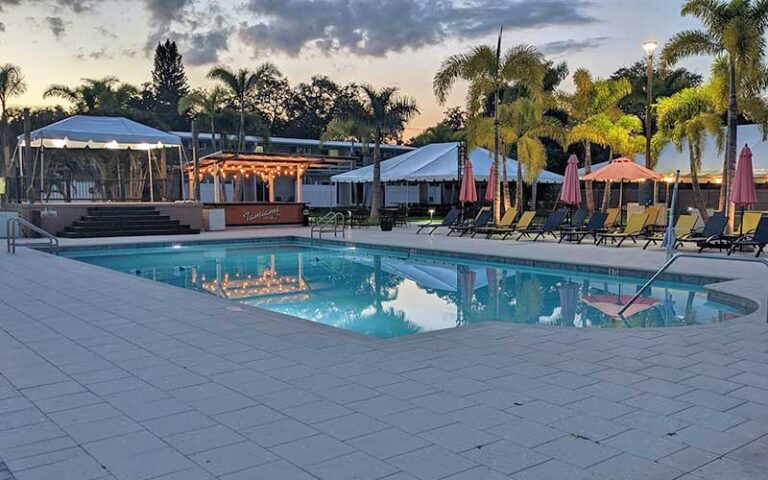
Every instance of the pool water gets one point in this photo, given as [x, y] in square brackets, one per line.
[387, 294]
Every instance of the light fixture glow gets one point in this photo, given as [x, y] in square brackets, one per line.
[111, 145]
[650, 46]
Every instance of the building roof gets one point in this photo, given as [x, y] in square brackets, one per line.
[299, 141]
[437, 162]
[86, 131]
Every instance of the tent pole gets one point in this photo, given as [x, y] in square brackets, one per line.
[151, 181]
[42, 170]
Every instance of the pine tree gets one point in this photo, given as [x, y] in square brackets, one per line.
[169, 84]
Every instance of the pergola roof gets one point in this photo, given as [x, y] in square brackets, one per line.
[113, 133]
[261, 164]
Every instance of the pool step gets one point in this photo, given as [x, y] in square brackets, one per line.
[124, 221]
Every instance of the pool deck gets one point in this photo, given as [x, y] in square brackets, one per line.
[111, 376]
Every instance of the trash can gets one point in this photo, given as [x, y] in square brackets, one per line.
[214, 219]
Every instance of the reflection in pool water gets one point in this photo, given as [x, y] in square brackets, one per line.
[383, 295]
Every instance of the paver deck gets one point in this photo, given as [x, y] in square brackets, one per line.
[109, 376]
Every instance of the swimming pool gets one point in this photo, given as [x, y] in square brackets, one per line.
[391, 293]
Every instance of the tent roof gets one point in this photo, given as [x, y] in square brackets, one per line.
[437, 162]
[81, 131]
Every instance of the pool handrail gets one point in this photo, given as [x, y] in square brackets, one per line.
[13, 230]
[330, 222]
[672, 260]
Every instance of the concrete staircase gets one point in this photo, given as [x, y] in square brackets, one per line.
[125, 221]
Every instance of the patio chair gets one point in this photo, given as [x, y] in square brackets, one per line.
[612, 215]
[593, 228]
[757, 239]
[711, 236]
[480, 221]
[578, 220]
[683, 226]
[653, 219]
[749, 222]
[505, 222]
[450, 218]
[525, 221]
[635, 226]
[550, 226]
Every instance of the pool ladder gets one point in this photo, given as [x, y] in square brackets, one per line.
[13, 230]
[678, 256]
[330, 222]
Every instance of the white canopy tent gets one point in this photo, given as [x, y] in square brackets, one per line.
[97, 132]
[437, 162]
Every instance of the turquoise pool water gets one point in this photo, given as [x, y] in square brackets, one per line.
[387, 294]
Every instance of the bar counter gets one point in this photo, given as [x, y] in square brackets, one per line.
[262, 213]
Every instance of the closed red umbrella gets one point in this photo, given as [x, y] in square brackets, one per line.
[468, 192]
[570, 194]
[491, 190]
[744, 193]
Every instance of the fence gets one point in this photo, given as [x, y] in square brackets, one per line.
[112, 190]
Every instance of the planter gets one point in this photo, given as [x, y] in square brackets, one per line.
[386, 225]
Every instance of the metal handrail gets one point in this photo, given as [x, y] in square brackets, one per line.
[672, 260]
[13, 227]
[333, 219]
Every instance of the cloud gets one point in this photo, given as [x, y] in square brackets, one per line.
[204, 48]
[378, 27]
[563, 47]
[57, 26]
[77, 6]
[2, 27]
[9, 3]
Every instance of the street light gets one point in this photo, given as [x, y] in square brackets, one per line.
[649, 47]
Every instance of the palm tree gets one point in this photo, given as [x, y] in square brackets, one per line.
[488, 73]
[593, 98]
[103, 95]
[734, 30]
[206, 103]
[384, 113]
[11, 85]
[687, 118]
[522, 124]
[242, 85]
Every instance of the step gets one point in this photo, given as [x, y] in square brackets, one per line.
[123, 218]
[123, 228]
[133, 233]
[116, 212]
[117, 223]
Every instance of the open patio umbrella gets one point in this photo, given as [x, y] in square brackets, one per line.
[744, 193]
[620, 170]
[468, 191]
[491, 190]
[610, 304]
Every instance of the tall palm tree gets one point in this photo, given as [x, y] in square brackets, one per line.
[688, 117]
[11, 85]
[103, 95]
[242, 85]
[488, 73]
[592, 100]
[206, 103]
[384, 112]
[735, 30]
[522, 124]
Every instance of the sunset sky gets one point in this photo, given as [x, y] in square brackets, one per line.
[383, 42]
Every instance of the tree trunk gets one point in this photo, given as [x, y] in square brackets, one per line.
[376, 194]
[496, 171]
[519, 189]
[241, 136]
[589, 193]
[698, 199]
[505, 186]
[237, 188]
[213, 135]
[534, 195]
[729, 166]
[606, 197]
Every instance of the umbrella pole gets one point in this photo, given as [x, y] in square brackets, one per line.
[621, 201]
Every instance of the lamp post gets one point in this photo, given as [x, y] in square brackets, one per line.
[649, 47]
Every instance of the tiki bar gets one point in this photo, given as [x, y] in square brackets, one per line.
[254, 188]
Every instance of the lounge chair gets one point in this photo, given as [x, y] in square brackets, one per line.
[594, 227]
[757, 239]
[709, 237]
[480, 221]
[635, 226]
[749, 222]
[652, 225]
[683, 226]
[578, 220]
[526, 219]
[550, 226]
[612, 216]
[505, 223]
[449, 220]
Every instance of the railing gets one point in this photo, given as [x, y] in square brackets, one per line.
[14, 231]
[330, 222]
[672, 260]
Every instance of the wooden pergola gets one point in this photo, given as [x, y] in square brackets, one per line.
[264, 166]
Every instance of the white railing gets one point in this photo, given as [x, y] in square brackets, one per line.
[14, 232]
[330, 222]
